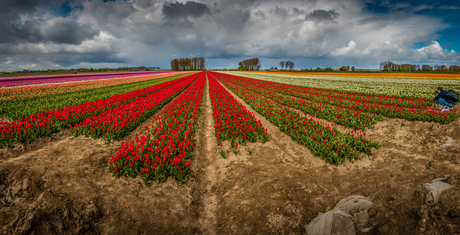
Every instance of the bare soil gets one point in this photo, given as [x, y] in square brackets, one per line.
[267, 188]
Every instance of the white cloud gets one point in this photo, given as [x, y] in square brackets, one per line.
[394, 51]
[345, 50]
[434, 51]
[190, 37]
[10, 61]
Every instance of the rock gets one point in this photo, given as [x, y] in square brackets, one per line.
[449, 142]
[343, 225]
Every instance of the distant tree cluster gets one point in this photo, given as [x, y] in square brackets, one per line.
[249, 64]
[390, 66]
[182, 64]
[287, 64]
[347, 68]
[452, 68]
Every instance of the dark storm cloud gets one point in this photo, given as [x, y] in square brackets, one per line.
[57, 30]
[322, 16]
[64, 30]
[189, 9]
[16, 32]
[11, 29]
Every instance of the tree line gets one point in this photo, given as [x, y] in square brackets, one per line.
[249, 65]
[182, 64]
[391, 66]
[347, 68]
[287, 64]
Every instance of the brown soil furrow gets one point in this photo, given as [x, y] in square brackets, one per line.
[207, 169]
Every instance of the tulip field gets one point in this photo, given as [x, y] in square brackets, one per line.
[41, 90]
[35, 80]
[166, 149]
[395, 85]
[115, 108]
[322, 139]
[226, 152]
[233, 121]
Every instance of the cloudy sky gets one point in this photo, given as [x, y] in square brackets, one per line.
[95, 33]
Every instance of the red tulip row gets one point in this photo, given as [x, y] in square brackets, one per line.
[331, 94]
[118, 122]
[347, 117]
[417, 112]
[321, 94]
[232, 120]
[47, 122]
[321, 138]
[167, 147]
[410, 111]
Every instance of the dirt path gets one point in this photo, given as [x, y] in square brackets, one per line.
[209, 172]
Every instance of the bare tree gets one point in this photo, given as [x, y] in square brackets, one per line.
[188, 64]
[282, 64]
[454, 68]
[250, 64]
[291, 65]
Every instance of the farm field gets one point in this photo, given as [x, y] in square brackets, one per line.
[225, 153]
[34, 80]
[375, 83]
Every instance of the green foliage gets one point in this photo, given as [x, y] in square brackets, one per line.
[242, 67]
[430, 164]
